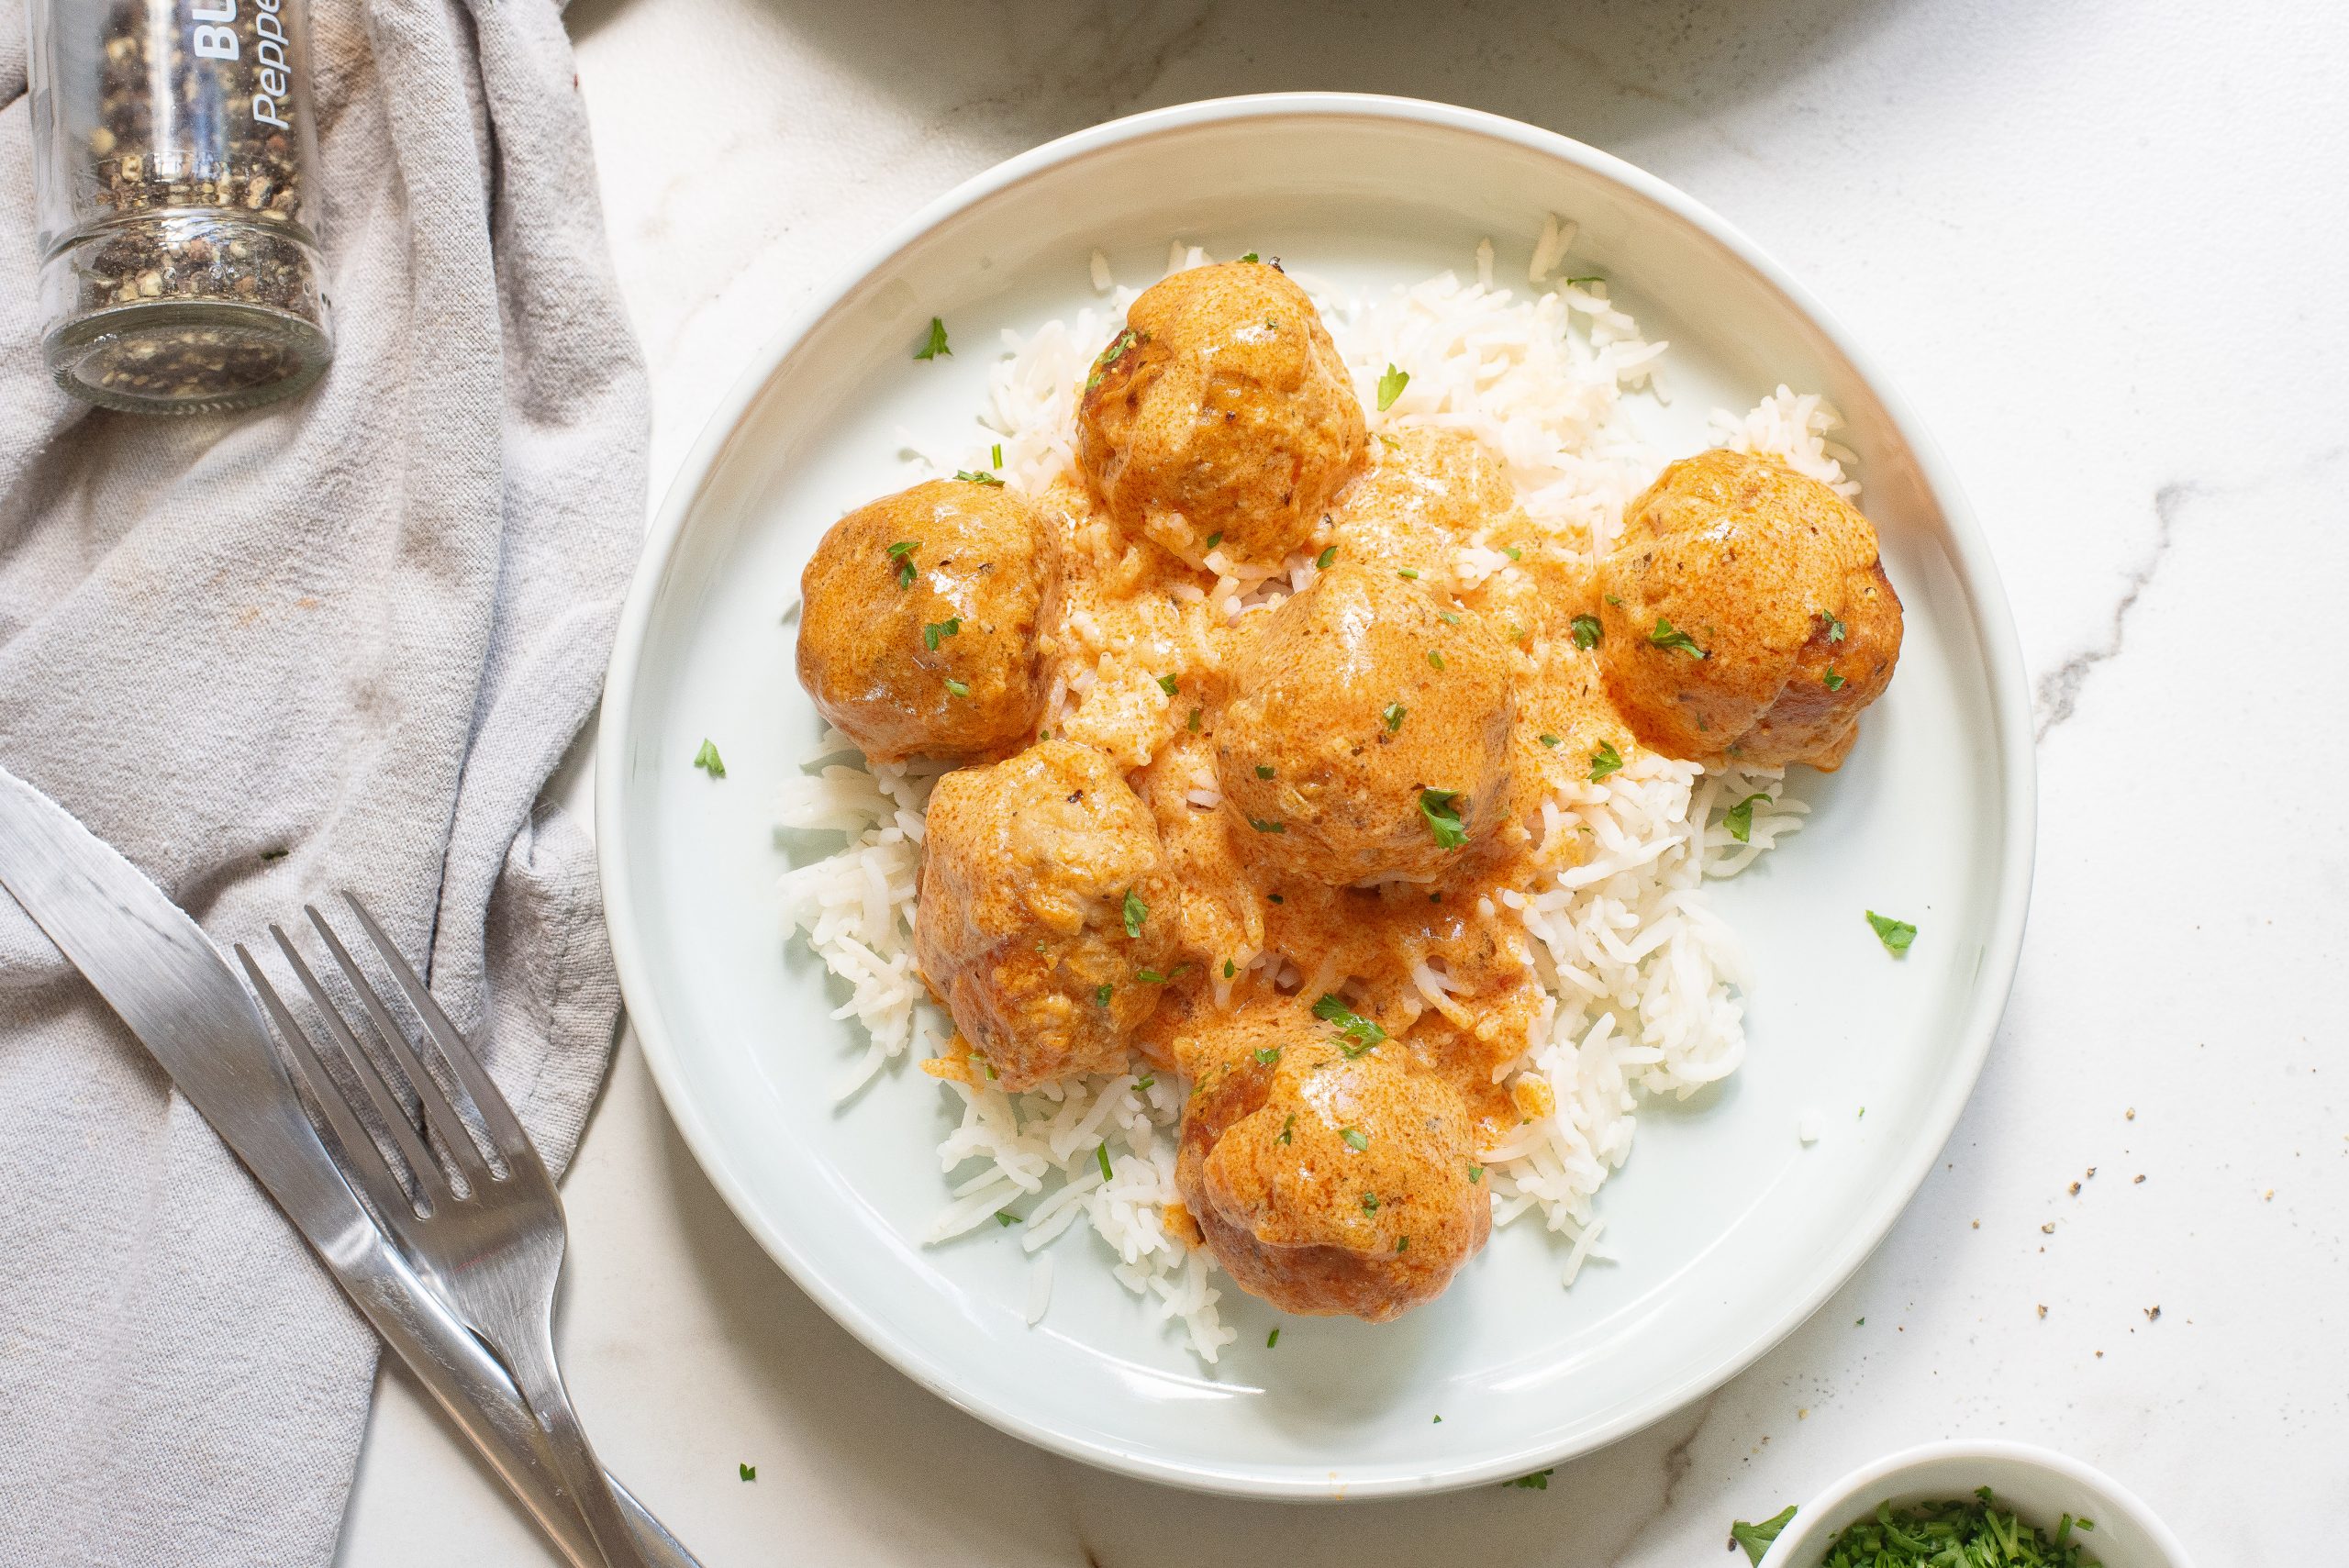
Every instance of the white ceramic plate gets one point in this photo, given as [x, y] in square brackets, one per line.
[1729, 1230]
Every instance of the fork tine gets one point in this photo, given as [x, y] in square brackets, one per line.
[364, 1162]
[496, 1116]
[455, 1136]
[429, 1178]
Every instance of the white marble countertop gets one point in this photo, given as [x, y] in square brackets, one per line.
[2100, 248]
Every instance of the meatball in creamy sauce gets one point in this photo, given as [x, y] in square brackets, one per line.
[1274, 851]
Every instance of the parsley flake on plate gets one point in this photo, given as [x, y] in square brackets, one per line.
[1587, 631]
[1289, 1129]
[902, 552]
[1442, 809]
[1605, 761]
[747, 1472]
[1364, 1032]
[955, 688]
[1393, 713]
[938, 631]
[1101, 996]
[1322, 561]
[1435, 660]
[1261, 826]
[983, 477]
[1756, 1538]
[1169, 685]
[1835, 682]
[1215, 539]
[936, 345]
[1896, 935]
[1390, 387]
[1101, 1155]
[1272, 1339]
[1666, 636]
[1739, 819]
[1135, 912]
[1354, 1138]
[1267, 1055]
[1547, 740]
[1537, 1482]
[1407, 574]
[1263, 771]
[707, 759]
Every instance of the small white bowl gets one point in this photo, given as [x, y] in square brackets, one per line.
[2038, 1484]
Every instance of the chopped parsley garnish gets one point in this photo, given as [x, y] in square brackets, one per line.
[1896, 935]
[1275, 1337]
[1537, 1482]
[1605, 761]
[1006, 1218]
[1577, 283]
[1370, 1203]
[1450, 617]
[937, 343]
[1512, 553]
[1364, 1032]
[1587, 631]
[1111, 355]
[1666, 636]
[1435, 660]
[1354, 1138]
[902, 552]
[937, 630]
[1263, 771]
[1835, 682]
[1193, 722]
[1475, 1172]
[1289, 1129]
[1547, 740]
[747, 1472]
[967, 477]
[1406, 573]
[1215, 539]
[1144, 1082]
[1261, 826]
[1230, 969]
[1250, 257]
[1322, 561]
[1402, 1243]
[1926, 1535]
[995, 455]
[1834, 626]
[1393, 713]
[956, 688]
[1169, 685]
[1442, 808]
[1756, 1539]
[1136, 912]
[1101, 996]
[707, 759]
[1152, 977]
[1739, 819]
[1390, 387]
[1267, 1055]
[1101, 1157]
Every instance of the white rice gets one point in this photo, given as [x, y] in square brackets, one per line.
[1643, 980]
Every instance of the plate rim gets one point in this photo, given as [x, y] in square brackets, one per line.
[1989, 613]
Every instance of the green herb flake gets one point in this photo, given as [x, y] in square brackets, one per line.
[1393, 713]
[1548, 740]
[1101, 996]
[955, 688]
[967, 477]
[1835, 682]
[1263, 771]
[902, 552]
[1390, 387]
[707, 759]
[1442, 808]
[1322, 561]
[1756, 1539]
[1587, 632]
[1370, 1203]
[1101, 1157]
[1614, 601]
[1267, 1055]
[1169, 685]
[938, 630]
[1512, 553]
[1435, 660]
[281, 852]
[1407, 574]
[1834, 626]
[936, 345]
[1006, 1218]
[1289, 1129]
[1537, 1482]
[1144, 1084]
[1577, 283]
[1230, 969]
[1739, 819]
[1152, 977]
[1261, 826]
[1136, 912]
[747, 1472]
[1605, 761]
[1354, 1140]
[1451, 617]
[1896, 935]
[1352, 1026]
[995, 455]
[1475, 1172]
[1251, 257]
[1671, 638]
[1192, 724]
[1215, 539]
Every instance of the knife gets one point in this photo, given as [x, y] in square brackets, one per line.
[159, 970]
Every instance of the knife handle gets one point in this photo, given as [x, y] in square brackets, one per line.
[475, 1392]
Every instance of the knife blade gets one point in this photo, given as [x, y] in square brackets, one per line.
[162, 974]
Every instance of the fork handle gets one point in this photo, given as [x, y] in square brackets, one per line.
[531, 1362]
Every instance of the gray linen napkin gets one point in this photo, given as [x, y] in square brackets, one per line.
[341, 642]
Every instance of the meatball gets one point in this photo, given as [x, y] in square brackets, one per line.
[1221, 412]
[1368, 739]
[1745, 614]
[1430, 489]
[1047, 917]
[918, 621]
[1325, 1177]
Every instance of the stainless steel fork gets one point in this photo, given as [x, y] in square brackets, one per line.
[480, 1221]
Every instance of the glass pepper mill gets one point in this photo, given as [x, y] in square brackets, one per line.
[176, 181]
